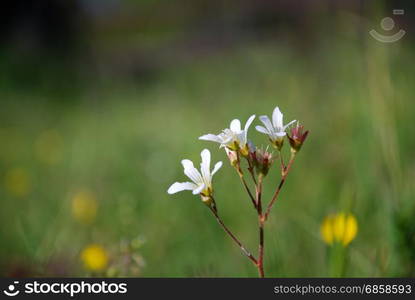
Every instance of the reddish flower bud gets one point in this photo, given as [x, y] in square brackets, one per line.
[297, 137]
[262, 161]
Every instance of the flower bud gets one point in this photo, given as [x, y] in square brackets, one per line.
[297, 137]
[262, 161]
[233, 157]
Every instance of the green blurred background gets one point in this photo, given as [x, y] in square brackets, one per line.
[100, 100]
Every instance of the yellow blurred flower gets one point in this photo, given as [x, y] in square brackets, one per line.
[48, 147]
[94, 257]
[84, 206]
[17, 182]
[341, 228]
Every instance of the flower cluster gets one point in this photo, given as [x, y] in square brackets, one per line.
[235, 141]
[238, 147]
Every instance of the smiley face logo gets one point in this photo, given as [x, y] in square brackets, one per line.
[11, 290]
[387, 24]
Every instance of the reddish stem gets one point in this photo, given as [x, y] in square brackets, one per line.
[241, 176]
[260, 264]
[261, 249]
[282, 163]
[277, 191]
[251, 170]
[233, 237]
[248, 190]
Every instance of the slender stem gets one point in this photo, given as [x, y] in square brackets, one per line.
[260, 264]
[251, 170]
[282, 163]
[277, 191]
[241, 176]
[246, 252]
[261, 249]
[259, 194]
[248, 190]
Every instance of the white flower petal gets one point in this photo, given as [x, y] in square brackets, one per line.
[249, 122]
[191, 171]
[211, 137]
[227, 136]
[181, 186]
[277, 118]
[268, 125]
[227, 139]
[235, 125]
[287, 125]
[262, 129]
[199, 189]
[242, 138]
[218, 165]
[205, 165]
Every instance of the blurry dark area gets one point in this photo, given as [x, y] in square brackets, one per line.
[84, 40]
[41, 40]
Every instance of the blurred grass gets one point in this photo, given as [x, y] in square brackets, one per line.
[125, 142]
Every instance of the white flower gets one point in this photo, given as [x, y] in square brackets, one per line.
[233, 137]
[276, 129]
[201, 181]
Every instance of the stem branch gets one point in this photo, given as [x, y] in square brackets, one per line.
[277, 191]
[251, 170]
[241, 176]
[248, 190]
[282, 163]
[246, 252]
